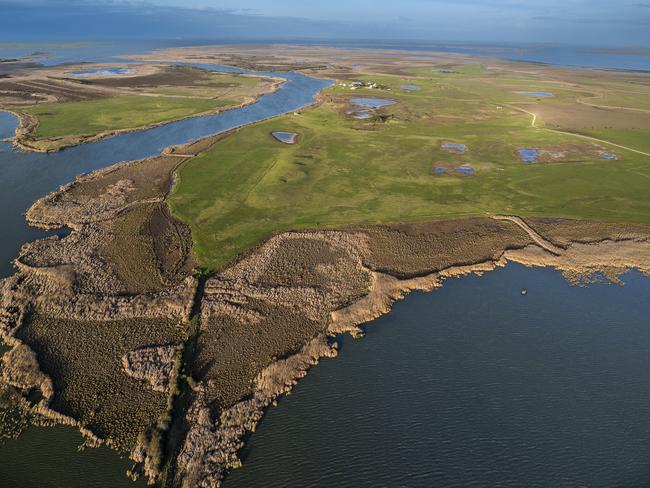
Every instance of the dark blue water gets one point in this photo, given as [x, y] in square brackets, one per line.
[27, 176]
[474, 385]
[49, 457]
[466, 169]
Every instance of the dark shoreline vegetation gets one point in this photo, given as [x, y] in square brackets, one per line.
[293, 248]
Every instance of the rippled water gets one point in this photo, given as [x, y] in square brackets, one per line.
[474, 385]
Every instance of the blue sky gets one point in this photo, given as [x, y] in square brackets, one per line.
[595, 22]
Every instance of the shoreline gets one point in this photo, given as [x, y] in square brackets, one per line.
[226, 435]
[346, 311]
[28, 124]
[382, 290]
[354, 281]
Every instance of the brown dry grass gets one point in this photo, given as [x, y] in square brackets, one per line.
[576, 116]
[418, 249]
[83, 358]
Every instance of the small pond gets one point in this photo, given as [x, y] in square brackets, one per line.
[412, 88]
[609, 156]
[541, 94]
[372, 103]
[454, 147]
[439, 170]
[466, 169]
[528, 155]
[286, 137]
[101, 72]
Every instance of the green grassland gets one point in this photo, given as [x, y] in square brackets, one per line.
[67, 123]
[345, 172]
[104, 114]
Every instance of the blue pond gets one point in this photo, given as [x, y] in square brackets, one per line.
[608, 156]
[286, 137]
[439, 170]
[372, 102]
[410, 87]
[535, 94]
[101, 72]
[528, 155]
[454, 146]
[466, 169]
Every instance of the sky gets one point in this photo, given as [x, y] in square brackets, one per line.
[578, 22]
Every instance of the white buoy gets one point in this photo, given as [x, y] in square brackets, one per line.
[524, 292]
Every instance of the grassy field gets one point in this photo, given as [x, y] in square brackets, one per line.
[345, 171]
[106, 104]
[95, 116]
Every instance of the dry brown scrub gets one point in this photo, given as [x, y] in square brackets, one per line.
[118, 285]
[84, 360]
[266, 320]
[577, 116]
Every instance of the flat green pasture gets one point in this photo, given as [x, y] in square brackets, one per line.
[123, 112]
[345, 172]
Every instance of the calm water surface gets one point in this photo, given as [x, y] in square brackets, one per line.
[474, 385]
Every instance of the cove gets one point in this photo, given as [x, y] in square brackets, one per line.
[474, 385]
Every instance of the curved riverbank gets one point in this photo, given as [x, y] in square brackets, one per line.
[299, 288]
[28, 124]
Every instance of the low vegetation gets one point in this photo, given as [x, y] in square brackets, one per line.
[344, 171]
[61, 111]
[84, 360]
[95, 116]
